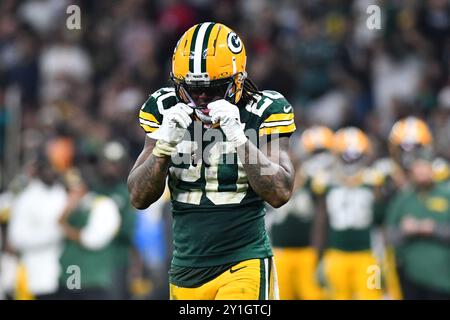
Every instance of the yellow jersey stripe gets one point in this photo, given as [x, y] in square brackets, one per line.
[149, 123]
[276, 124]
[147, 128]
[280, 117]
[147, 116]
[275, 130]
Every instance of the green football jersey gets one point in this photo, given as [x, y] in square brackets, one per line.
[217, 217]
[291, 224]
[425, 260]
[351, 214]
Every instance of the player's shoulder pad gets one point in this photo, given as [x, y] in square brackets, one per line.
[152, 111]
[373, 177]
[320, 183]
[441, 170]
[385, 166]
[275, 112]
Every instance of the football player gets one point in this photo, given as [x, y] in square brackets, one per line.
[409, 139]
[350, 195]
[223, 145]
[419, 173]
[291, 225]
[418, 216]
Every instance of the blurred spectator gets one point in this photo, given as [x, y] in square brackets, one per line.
[42, 14]
[441, 123]
[34, 231]
[89, 222]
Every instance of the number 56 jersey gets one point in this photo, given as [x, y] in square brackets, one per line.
[217, 217]
[352, 211]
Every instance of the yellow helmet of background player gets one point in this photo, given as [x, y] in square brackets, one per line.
[352, 147]
[351, 144]
[316, 139]
[316, 144]
[410, 131]
[409, 139]
[209, 55]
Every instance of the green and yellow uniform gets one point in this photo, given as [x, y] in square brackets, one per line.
[349, 257]
[392, 172]
[296, 259]
[424, 260]
[218, 220]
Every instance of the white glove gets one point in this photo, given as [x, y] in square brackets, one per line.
[227, 114]
[174, 125]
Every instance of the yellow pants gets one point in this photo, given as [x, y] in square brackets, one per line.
[297, 274]
[253, 279]
[21, 291]
[350, 275]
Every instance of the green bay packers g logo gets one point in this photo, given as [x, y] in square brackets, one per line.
[234, 43]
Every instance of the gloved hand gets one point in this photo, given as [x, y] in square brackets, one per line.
[227, 115]
[175, 122]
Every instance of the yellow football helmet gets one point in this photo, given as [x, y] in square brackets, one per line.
[410, 131]
[316, 144]
[316, 139]
[409, 139]
[351, 145]
[209, 55]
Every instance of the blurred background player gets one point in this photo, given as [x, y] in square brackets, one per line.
[350, 192]
[409, 139]
[291, 225]
[419, 228]
[418, 219]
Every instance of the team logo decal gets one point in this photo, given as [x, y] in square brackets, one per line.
[234, 42]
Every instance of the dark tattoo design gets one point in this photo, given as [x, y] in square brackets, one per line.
[147, 179]
[275, 188]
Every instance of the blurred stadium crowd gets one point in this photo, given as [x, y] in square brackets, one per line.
[69, 102]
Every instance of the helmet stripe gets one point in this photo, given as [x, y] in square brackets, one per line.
[191, 51]
[199, 47]
[205, 46]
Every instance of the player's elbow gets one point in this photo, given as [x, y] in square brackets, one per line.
[140, 205]
[138, 199]
[142, 200]
[280, 198]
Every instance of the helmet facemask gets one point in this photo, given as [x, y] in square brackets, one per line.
[189, 91]
[408, 153]
[352, 162]
[209, 64]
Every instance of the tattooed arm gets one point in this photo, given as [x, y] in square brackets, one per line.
[147, 179]
[269, 170]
